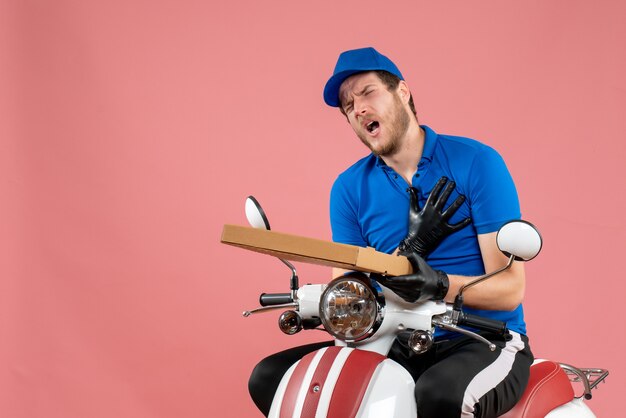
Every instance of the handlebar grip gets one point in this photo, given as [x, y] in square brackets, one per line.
[271, 299]
[484, 324]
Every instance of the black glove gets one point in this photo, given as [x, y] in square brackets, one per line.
[424, 283]
[429, 226]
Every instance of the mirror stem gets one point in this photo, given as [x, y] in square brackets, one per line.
[458, 301]
[294, 278]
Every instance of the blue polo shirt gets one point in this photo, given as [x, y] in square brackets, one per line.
[369, 205]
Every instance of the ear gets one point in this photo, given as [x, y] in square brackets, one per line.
[403, 91]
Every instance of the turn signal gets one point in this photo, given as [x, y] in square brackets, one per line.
[290, 322]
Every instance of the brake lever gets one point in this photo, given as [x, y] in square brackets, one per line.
[450, 327]
[269, 308]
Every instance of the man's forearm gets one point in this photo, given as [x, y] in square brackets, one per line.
[503, 292]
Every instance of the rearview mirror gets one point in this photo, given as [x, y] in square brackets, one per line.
[255, 215]
[257, 219]
[519, 239]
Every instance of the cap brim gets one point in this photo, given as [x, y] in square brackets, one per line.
[331, 90]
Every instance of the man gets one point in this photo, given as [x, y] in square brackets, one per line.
[369, 203]
[412, 170]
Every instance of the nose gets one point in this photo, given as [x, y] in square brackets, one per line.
[359, 106]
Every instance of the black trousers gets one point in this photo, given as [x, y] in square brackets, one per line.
[459, 377]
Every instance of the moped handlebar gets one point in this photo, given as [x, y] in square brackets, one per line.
[483, 324]
[271, 299]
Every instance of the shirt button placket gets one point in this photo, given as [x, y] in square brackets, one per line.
[416, 177]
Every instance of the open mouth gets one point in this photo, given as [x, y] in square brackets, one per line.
[372, 126]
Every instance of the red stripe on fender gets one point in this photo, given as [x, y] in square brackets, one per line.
[317, 383]
[352, 383]
[293, 387]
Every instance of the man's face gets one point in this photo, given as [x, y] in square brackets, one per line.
[377, 115]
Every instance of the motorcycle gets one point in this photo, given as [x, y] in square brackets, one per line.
[354, 378]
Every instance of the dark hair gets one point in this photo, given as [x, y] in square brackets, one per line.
[390, 81]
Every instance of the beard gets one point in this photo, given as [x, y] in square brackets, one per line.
[397, 126]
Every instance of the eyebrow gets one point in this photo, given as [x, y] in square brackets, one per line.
[360, 93]
[365, 88]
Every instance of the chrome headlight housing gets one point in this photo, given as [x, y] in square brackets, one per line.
[350, 308]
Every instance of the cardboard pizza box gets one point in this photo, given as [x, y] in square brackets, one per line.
[315, 251]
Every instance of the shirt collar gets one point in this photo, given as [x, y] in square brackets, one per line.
[430, 142]
[380, 162]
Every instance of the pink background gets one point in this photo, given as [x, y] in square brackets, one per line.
[131, 131]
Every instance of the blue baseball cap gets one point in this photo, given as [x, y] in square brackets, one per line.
[353, 62]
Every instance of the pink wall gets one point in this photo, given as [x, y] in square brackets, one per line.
[131, 131]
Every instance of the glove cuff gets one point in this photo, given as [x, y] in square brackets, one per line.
[443, 284]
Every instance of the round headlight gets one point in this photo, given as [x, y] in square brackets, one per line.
[348, 309]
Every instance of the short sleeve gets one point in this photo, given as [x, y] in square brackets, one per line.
[493, 196]
[343, 216]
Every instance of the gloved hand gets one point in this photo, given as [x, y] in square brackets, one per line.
[429, 226]
[423, 284]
